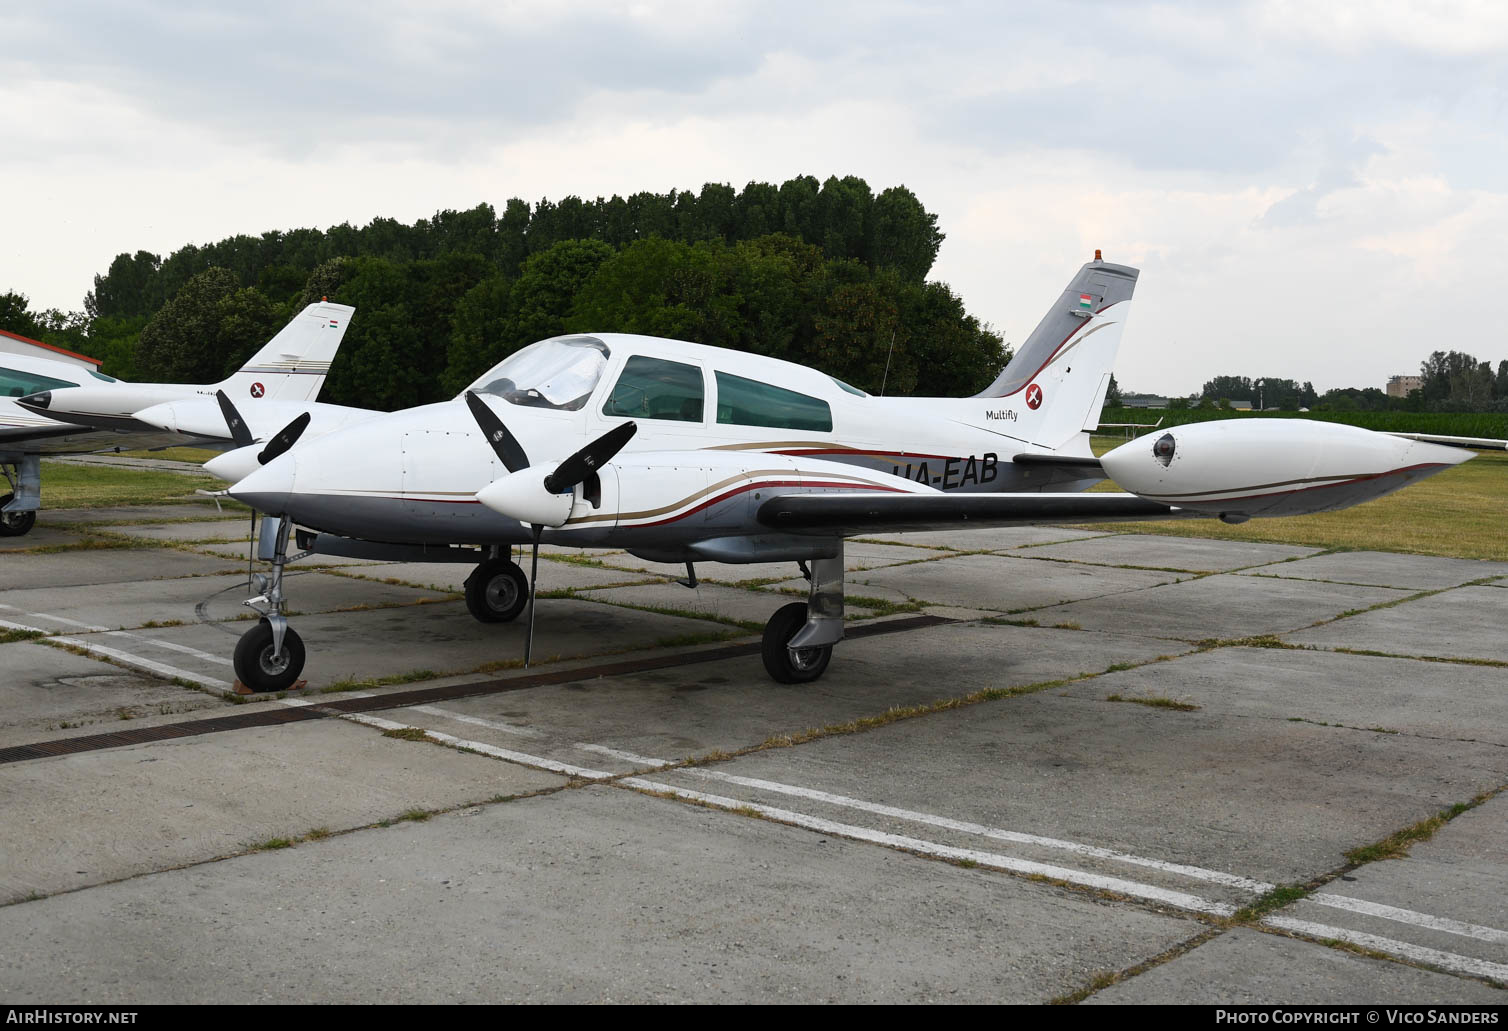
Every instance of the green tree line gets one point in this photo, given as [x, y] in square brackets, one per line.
[827, 274]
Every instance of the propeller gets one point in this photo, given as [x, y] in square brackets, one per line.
[504, 443]
[237, 425]
[539, 503]
[285, 438]
[240, 462]
[585, 462]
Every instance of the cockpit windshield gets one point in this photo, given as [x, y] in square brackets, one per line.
[559, 373]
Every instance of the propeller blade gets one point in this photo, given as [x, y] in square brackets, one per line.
[237, 425]
[285, 439]
[503, 442]
[533, 583]
[586, 461]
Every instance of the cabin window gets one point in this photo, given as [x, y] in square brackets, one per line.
[747, 402]
[14, 383]
[652, 388]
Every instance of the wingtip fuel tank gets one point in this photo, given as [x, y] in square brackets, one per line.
[1240, 468]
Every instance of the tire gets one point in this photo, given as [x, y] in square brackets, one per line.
[497, 591]
[15, 524]
[787, 667]
[254, 663]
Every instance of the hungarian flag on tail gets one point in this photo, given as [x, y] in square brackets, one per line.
[1086, 302]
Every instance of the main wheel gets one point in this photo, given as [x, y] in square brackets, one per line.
[496, 591]
[14, 524]
[256, 666]
[787, 665]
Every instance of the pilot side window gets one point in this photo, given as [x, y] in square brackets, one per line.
[14, 383]
[652, 388]
[748, 402]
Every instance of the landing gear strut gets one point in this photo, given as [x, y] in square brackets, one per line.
[799, 638]
[18, 509]
[497, 590]
[270, 656]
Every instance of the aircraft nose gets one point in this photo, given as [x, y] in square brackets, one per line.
[269, 489]
[38, 402]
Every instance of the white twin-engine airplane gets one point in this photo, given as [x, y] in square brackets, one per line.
[51, 407]
[679, 453]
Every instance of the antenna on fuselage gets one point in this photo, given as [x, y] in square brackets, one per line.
[888, 353]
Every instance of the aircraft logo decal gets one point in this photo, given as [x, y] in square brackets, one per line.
[1034, 397]
[257, 390]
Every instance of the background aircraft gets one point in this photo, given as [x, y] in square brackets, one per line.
[51, 407]
[681, 453]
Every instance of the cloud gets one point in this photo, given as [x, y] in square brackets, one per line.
[1312, 191]
[1340, 170]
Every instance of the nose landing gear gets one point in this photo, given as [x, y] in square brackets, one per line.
[270, 656]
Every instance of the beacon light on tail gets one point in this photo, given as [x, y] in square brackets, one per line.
[1239, 468]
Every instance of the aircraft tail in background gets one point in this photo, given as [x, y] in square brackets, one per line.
[293, 364]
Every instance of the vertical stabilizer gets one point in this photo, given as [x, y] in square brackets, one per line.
[293, 365]
[1057, 380]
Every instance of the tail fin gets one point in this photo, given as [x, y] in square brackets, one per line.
[293, 365]
[1057, 380]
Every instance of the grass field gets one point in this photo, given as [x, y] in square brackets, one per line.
[98, 486]
[197, 455]
[1460, 513]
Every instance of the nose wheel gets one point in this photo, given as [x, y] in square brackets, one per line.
[496, 591]
[263, 666]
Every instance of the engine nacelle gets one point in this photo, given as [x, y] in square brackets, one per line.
[1240, 468]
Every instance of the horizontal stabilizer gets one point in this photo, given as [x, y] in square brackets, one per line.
[1075, 462]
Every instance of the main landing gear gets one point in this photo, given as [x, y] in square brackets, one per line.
[799, 638]
[18, 509]
[497, 590]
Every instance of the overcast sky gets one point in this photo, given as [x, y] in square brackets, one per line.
[1313, 189]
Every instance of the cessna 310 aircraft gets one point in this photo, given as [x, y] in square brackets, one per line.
[679, 453]
[62, 412]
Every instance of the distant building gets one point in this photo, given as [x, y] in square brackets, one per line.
[15, 343]
[1143, 401]
[1241, 406]
[1399, 386]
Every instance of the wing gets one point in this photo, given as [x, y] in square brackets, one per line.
[1474, 443]
[853, 513]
